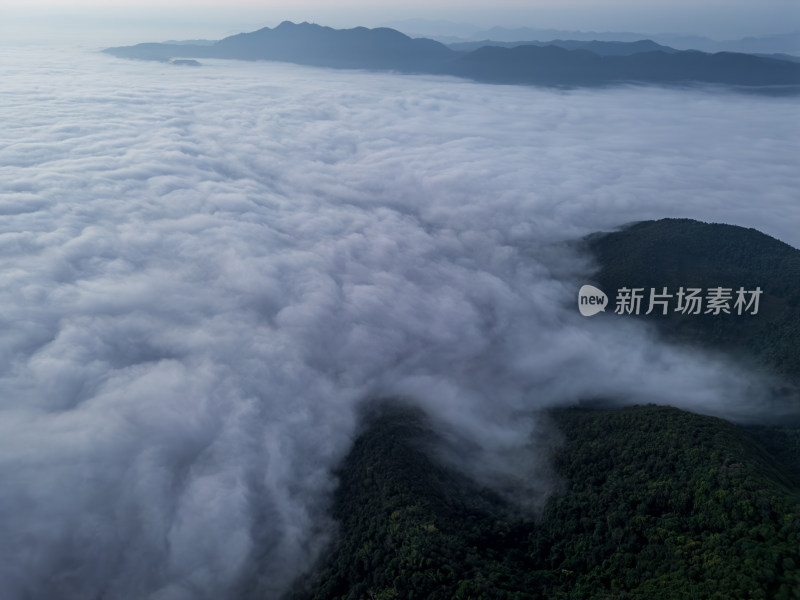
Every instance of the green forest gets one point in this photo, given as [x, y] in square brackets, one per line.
[676, 253]
[654, 502]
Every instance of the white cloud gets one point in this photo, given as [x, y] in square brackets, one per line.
[204, 272]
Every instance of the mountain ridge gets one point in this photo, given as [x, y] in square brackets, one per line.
[685, 252]
[657, 503]
[603, 48]
[387, 49]
[788, 42]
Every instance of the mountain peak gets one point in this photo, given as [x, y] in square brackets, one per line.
[574, 63]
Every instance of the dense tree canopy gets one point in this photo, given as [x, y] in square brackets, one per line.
[655, 503]
[676, 253]
[659, 503]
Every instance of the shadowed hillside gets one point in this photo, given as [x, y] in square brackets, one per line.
[655, 502]
[676, 253]
[659, 504]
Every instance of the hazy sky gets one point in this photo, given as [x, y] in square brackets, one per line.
[95, 21]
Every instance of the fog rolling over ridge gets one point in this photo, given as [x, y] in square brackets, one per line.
[206, 272]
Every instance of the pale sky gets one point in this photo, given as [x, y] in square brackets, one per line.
[128, 21]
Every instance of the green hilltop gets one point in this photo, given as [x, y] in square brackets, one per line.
[676, 253]
[655, 502]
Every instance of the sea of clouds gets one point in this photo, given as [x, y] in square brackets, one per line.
[204, 273]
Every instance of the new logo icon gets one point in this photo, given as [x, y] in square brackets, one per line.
[591, 300]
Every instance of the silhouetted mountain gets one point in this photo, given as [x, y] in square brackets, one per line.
[601, 48]
[186, 62]
[551, 65]
[162, 52]
[387, 49]
[505, 34]
[309, 44]
[785, 42]
[788, 43]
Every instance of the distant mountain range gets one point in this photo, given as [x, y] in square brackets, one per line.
[786, 42]
[450, 33]
[603, 48]
[563, 62]
[556, 66]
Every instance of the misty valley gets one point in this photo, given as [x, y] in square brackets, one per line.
[312, 314]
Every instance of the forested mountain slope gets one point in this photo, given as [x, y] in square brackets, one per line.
[655, 502]
[658, 504]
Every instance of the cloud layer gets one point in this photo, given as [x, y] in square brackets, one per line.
[204, 272]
